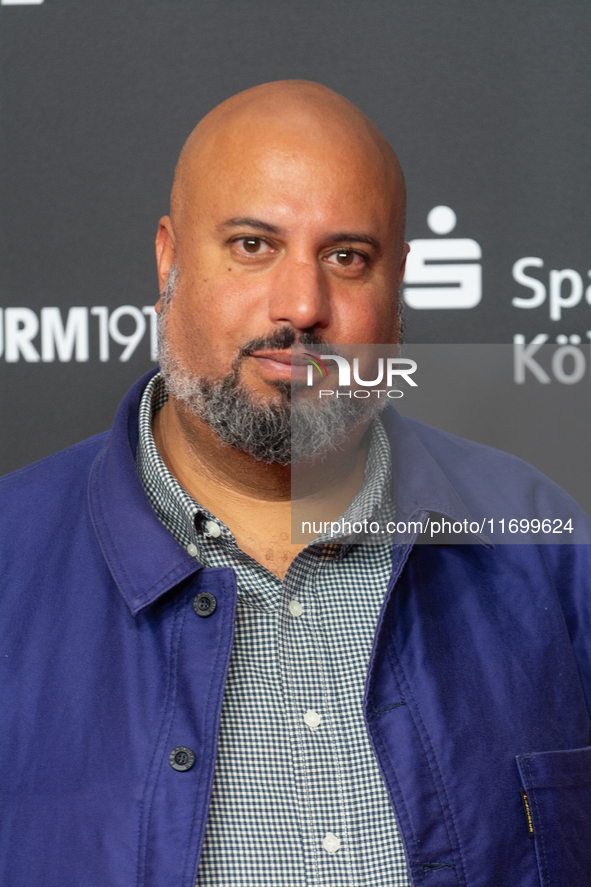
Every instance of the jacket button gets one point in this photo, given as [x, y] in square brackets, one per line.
[205, 603]
[181, 758]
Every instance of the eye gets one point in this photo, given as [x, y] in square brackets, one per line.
[253, 246]
[347, 258]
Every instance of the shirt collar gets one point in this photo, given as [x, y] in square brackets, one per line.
[187, 520]
[174, 506]
[180, 512]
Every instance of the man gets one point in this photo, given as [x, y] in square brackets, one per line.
[190, 697]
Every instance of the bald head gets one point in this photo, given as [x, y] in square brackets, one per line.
[287, 220]
[296, 116]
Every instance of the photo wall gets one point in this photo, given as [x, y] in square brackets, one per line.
[486, 104]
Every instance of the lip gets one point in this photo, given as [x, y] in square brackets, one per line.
[281, 364]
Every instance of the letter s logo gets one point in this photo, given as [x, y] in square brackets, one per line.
[432, 278]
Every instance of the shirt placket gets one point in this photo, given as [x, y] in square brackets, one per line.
[313, 724]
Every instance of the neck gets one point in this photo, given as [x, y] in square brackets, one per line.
[253, 498]
[196, 456]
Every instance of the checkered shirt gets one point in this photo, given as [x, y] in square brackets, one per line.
[281, 786]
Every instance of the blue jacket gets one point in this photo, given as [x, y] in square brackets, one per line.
[479, 682]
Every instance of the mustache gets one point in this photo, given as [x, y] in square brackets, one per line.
[280, 339]
[284, 338]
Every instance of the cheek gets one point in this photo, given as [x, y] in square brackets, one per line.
[186, 335]
[367, 318]
[205, 331]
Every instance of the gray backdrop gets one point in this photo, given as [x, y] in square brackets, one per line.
[487, 105]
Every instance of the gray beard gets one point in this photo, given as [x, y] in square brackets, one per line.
[285, 432]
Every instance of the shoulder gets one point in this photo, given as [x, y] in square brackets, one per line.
[52, 484]
[495, 484]
[456, 454]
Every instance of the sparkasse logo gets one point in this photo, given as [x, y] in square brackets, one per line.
[434, 277]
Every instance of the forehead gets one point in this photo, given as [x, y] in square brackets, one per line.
[307, 172]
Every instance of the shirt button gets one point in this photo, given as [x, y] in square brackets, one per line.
[181, 758]
[204, 603]
[331, 843]
[312, 719]
[295, 608]
[192, 550]
[213, 529]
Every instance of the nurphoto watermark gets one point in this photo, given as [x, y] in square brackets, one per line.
[397, 444]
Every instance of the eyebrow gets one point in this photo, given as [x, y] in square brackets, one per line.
[245, 221]
[354, 237]
[339, 237]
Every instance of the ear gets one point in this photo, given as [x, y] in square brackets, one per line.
[165, 252]
[405, 252]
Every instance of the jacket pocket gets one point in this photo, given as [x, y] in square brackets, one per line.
[558, 789]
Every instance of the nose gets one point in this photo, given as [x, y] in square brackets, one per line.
[300, 296]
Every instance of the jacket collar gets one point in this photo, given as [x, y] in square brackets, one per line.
[143, 557]
[146, 561]
[420, 483]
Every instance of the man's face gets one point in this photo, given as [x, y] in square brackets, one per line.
[280, 231]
